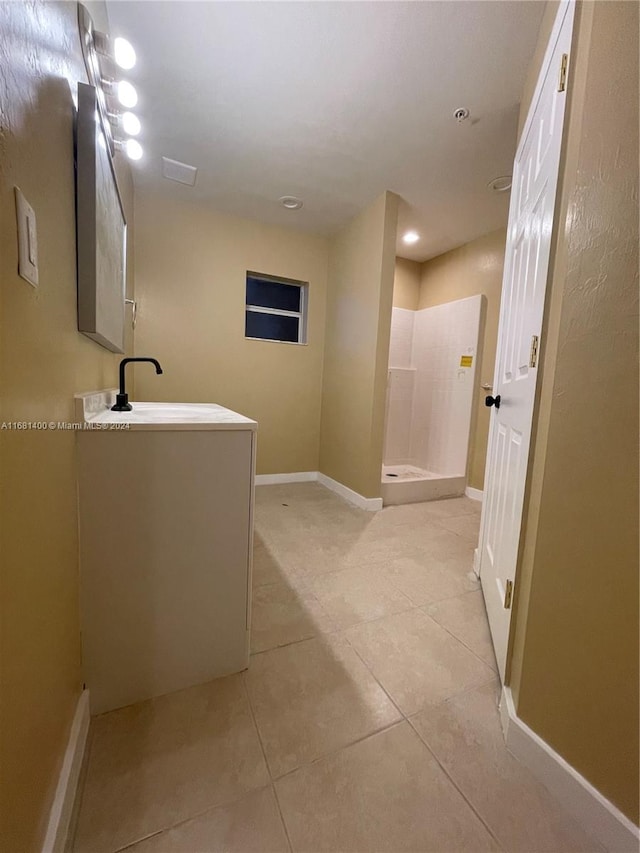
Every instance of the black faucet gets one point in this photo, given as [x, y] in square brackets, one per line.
[122, 403]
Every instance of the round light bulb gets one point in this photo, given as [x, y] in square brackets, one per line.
[133, 149]
[127, 95]
[411, 237]
[124, 53]
[130, 124]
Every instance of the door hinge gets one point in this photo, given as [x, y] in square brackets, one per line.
[508, 594]
[562, 82]
[533, 353]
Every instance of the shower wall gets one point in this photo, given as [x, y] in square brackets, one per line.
[432, 368]
[400, 387]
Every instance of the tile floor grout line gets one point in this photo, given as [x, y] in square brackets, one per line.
[375, 677]
[461, 641]
[456, 786]
[255, 722]
[280, 812]
[338, 749]
[380, 565]
[337, 630]
[140, 840]
[222, 803]
[341, 632]
[437, 704]
[381, 562]
[195, 816]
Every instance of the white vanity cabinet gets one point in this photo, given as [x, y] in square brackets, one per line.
[166, 517]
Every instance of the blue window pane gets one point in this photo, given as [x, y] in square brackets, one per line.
[273, 327]
[273, 294]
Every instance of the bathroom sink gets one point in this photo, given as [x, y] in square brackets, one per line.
[95, 410]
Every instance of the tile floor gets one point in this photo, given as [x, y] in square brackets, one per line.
[367, 720]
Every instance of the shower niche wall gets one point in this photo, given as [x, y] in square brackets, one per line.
[431, 388]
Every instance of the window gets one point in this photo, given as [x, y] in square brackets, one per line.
[276, 309]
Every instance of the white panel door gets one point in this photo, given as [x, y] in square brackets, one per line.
[531, 217]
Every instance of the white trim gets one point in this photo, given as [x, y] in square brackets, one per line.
[370, 504]
[55, 840]
[294, 477]
[279, 312]
[592, 811]
[474, 494]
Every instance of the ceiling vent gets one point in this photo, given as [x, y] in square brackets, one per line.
[174, 170]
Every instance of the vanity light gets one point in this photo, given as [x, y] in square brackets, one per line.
[102, 55]
[411, 237]
[123, 53]
[133, 149]
[130, 124]
[127, 94]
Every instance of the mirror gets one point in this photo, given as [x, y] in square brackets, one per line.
[101, 230]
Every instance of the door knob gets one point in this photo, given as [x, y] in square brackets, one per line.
[492, 401]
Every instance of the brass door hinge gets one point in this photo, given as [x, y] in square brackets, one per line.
[508, 595]
[533, 353]
[562, 82]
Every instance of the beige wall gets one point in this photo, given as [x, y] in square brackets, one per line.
[359, 300]
[574, 667]
[406, 284]
[191, 266]
[43, 362]
[469, 270]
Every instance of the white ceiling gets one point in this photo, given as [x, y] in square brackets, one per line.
[334, 102]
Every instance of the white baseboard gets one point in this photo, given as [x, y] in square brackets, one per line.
[371, 504]
[476, 562]
[294, 477]
[592, 811]
[474, 494]
[60, 815]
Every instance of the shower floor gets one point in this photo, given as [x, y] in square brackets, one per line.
[406, 484]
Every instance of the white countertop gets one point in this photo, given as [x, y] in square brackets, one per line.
[94, 410]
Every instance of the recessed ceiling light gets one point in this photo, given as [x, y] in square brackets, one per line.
[291, 202]
[501, 184]
[411, 237]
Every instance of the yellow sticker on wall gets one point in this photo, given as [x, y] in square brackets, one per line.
[466, 360]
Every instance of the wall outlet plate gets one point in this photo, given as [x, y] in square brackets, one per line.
[27, 239]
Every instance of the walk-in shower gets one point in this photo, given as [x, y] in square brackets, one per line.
[431, 386]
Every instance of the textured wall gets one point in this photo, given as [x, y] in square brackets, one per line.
[43, 362]
[191, 266]
[574, 668]
[359, 297]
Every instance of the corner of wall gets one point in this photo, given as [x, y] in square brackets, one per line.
[359, 300]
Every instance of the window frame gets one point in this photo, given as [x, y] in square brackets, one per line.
[280, 312]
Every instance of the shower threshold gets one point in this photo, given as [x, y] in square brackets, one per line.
[407, 484]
